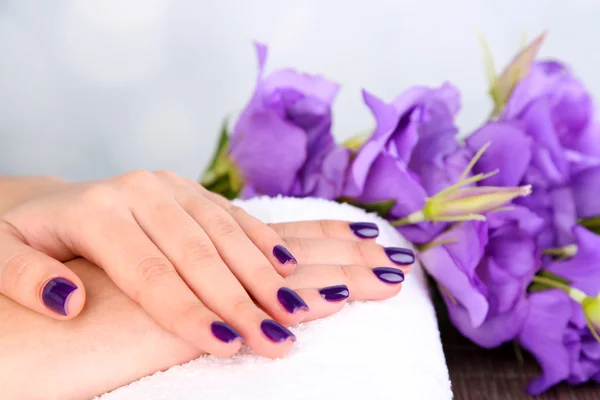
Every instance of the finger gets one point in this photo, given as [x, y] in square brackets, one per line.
[328, 229]
[244, 259]
[262, 235]
[364, 283]
[197, 261]
[142, 271]
[344, 252]
[325, 301]
[37, 281]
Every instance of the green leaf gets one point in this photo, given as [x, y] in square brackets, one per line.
[222, 144]
[215, 168]
[515, 71]
[488, 61]
[536, 286]
[592, 224]
[382, 208]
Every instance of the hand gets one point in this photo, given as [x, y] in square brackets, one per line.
[101, 349]
[187, 256]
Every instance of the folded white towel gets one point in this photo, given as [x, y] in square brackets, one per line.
[370, 350]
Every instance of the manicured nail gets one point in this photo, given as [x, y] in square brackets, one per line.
[276, 332]
[290, 300]
[224, 332]
[389, 275]
[400, 256]
[283, 255]
[55, 294]
[335, 293]
[365, 230]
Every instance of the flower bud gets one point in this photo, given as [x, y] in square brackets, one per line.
[460, 203]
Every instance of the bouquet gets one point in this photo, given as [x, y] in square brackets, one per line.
[505, 218]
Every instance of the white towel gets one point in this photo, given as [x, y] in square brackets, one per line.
[370, 350]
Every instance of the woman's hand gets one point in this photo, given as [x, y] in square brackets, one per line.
[114, 342]
[202, 268]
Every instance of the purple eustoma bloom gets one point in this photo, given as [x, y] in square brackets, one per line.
[411, 155]
[546, 137]
[556, 331]
[282, 142]
[484, 270]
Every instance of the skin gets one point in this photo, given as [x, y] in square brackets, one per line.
[50, 357]
[44, 358]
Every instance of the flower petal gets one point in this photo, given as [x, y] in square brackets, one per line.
[493, 331]
[453, 266]
[505, 138]
[268, 151]
[542, 336]
[586, 186]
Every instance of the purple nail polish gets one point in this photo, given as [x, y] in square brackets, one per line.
[400, 256]
[276, 332]
[389, 275]
[290, 300]
[335, 293]
[224, 332]
[365, 230]
[56, 294]
[283, 255]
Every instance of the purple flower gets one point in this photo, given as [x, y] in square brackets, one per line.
[411, 155]
[282, 142]
[545, 137]
[556, 331]
[570, 104]
[484, 271]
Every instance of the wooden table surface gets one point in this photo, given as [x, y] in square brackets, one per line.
[480, 374]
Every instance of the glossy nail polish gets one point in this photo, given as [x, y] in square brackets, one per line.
[335, 293]
[389, 275]
[290, 300]
[56, 294]
[365, 230]
[283, 255]
[276, 332]
[224, 332]
[400, 256]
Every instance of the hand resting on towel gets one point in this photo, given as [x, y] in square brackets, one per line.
[205, 270]
[114, 342]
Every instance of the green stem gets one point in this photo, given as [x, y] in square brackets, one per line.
[552, 283]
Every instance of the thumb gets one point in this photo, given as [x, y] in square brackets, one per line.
[37, 281]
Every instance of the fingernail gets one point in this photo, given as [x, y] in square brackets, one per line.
[389, 275]
[290, 300]
[276, 332]
[365, 230]
[335, 293]
[283, 255]
[400, 256]
[56, 294]
[224, 332]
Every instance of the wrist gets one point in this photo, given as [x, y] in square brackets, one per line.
[15, 190]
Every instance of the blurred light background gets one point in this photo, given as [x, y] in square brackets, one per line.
[94, 88]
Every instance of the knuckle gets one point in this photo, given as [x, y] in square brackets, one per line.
[360, 251]
[136, 177]
[100, 195]
[16, 271]
[327, 228]
[235, 211]
[189, 312]
[347, 272]
[242, 306]
[152, 268]
[195, 251]
[170, 176]
[224, 226]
